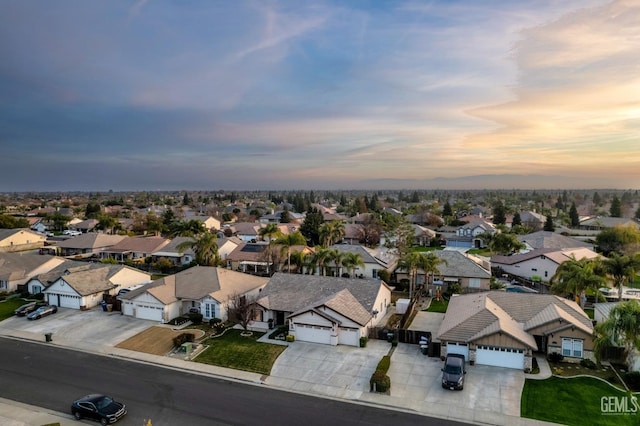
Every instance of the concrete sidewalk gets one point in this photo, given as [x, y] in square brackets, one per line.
[338, 372]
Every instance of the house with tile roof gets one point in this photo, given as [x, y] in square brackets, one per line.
[85, 288]
[205, 289]
[470, 235]
[505, 329]
[374, 260]
[177, 256]
[85, 245]
[17, 268]
[539, 263]
[134, 248]
[456, 267]
[38, 283]
[319, 309]
[20, 239]
[552, 240]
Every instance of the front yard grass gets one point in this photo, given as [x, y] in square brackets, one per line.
[572, 401]
[232, 350]
[8, 306]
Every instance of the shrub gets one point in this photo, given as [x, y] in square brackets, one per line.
[195, 318]
[394, 342]
[363, 341]
[555, 357]
[217, 324]
[384, 364]
[632, 380]
[384, 275]
[587, 363]
[183, 338]
[380, 382]
[283, 329]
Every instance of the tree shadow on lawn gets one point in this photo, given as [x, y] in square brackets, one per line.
[232, 350]
[575, 401]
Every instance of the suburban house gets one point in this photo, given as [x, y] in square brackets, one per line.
[38, 283]
[17, 268]
[209, 222]
[37, 224]
[254, 258]
[84, 289]
[134, 248]
[353, 233]
[469, 235]
[326, 310]
[203, 289]
[87, 225]
[171, 252]
[227, 245]
[374, 260]
[422, 236]
[247, 231]
[598, 223]
[20, 239]
[539, 264]
[85, 245]
[275, 217]
[532, 220]
[505, 329]
[456, 267]
[548, 239]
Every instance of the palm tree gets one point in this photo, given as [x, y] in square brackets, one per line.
[575, 276]
[430, 266]
[299, 259]
[621, 269]
[319, 259]
[411, 262]
[621, 328]
[269, 232]
[289, 240]
[352, 261]
[205, 247]
[106, 223]
[337, 257]
[186, 228]
[331, 232]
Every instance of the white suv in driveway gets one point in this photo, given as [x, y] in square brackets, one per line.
[71, 232]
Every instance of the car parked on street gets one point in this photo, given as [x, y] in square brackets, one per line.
[98, 407]
[453, 372]
[42, 311]
[27, 308]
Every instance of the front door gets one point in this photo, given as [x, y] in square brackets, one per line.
[541, 341]
[279, 318]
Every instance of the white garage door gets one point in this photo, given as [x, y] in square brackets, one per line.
[500, 357]
[348, 336]
[64, 300]
[458, 348]
[313, 333]
[148, 312]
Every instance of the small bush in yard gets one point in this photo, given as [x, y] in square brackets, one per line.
[363, 341]
[380, 382]
[555, 357]
[196, 318]
[587, 363]
[183, 338]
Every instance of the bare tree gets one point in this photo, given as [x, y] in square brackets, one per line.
[241, 308]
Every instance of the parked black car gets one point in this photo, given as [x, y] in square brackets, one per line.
[453, 372]
[28, 308]
[98, 407]
[42, 311]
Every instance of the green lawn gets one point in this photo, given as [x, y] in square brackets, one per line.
[436, 306]
[575, 401]
[241, 353]
[8, 306]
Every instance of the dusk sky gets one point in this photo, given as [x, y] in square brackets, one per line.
[208, 95]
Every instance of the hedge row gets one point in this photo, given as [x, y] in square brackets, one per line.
[380, 382]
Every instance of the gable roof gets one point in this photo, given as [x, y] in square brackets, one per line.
[297, 292]
[92, 281]
[199, 282]
[92, 240]
[548, 239]
[138, 245]
[171, 249]
[556, 256]
[16, 266]
[457, 264]
[7, 233]
[472, 316]
[66, 267]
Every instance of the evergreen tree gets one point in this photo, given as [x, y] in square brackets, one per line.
[446, 210]
[573, 215]
[310, 228]
[285, 217]
[616, 207]
[548, 224]
[517, 220]
[596, 199]
[499, 214]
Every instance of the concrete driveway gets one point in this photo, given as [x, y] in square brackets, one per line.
[93, 329]
[344, 372]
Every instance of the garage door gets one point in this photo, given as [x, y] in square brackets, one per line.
[149, 312]
[64, 300]
[313, 333]
[458, 348]
[348, 336]
[500, 357]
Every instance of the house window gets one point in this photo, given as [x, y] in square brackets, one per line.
[209, 310]
[474, 282]
[374, 273]
[572, 347]
[3, 284]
